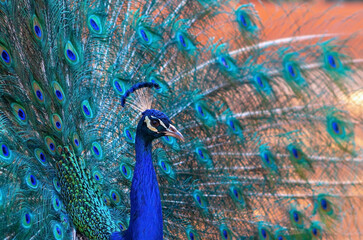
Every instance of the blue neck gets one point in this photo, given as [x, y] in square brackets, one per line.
[146, 220]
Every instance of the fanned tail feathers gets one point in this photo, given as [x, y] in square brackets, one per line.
[271, 112]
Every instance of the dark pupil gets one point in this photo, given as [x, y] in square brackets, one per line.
[332, 61]
[225, 234]
[163, 165]
[128, 134]
[94, 25]
[295, 153]
[324, 204]
[32, 180]
[144, 36]
[39, 94]
[58, 185]
[37, 31]
[59, 231]
[124, 170]
[259, 81]
[167, 138]
[51, 146]
[198, 199]
[224, 62]
[5, 56]
[114, 196]
[96, 151]
[155, 123]
[266, 157]
[5, 150]
[315, 232]
[97, 177]
[280, 238]
[243, 20]
[232, 125]
[191, 236]
[335, 127]
[296, 216]
[182, 40]
[76, 142]
[59, 94]
[58, 124]
[118, 87]
[27, 218]
[122, 227]
[263, 232]
[42, 157]
[21, 114]
[235, 193]
[85, 109]
[71, 55]
[57, 202]
[201, 153]
[201, 111]
[291, 70]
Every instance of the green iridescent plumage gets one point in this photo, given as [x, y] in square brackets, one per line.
[269, 110]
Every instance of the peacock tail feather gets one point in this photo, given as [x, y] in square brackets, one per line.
[271, 111]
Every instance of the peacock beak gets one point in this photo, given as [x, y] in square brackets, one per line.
[173, 132]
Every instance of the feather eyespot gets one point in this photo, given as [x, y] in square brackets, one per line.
[259, 81]
[335, 127]
[144, 35]
[37, 31]
[5, 150]
[225, 234]
[27, 219]
[97, 150]
[291, 70]
[182, 40]
[5, 153]
[50, 143]
[59, 94]
[94, 25]
[32, 181]
[40, 156]
[263, 233]
[86, 109]
[314, 231]
[57, 232]
[191, 235]
[71, 54]
[331, 61]
[126, 171]
[5, 56]
[243, 20]
[128, 134]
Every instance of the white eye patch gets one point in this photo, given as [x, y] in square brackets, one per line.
[149, 126]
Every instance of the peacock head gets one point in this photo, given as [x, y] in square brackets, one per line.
[155, 124]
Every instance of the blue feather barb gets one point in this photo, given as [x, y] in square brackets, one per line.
[135, 87]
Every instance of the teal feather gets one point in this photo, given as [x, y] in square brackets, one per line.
[272, 125]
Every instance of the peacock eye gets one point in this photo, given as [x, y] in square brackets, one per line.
[155, 123]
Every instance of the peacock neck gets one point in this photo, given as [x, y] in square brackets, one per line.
[146, 217]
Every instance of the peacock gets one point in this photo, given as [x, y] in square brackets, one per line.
[189, 119]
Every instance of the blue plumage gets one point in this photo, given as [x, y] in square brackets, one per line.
[269, 111]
